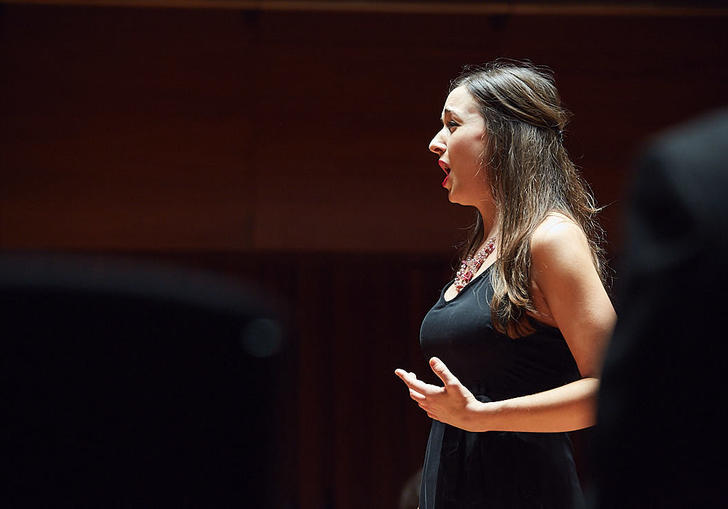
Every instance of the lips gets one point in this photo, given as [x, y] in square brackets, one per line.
[446, 169]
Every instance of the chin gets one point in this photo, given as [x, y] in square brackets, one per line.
[452, 198]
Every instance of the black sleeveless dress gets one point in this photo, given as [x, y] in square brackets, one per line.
[496, 469]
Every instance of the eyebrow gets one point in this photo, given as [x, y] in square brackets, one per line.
[445, 112]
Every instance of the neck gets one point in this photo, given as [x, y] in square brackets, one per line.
[488, 214]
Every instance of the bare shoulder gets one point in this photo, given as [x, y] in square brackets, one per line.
[559, 236]
[560, 257]
[568, 290]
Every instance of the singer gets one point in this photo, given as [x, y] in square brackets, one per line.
[517, 336]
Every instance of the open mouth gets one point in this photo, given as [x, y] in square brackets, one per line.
[446, 169]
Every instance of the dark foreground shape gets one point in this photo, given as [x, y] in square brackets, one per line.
[659, 439]
[134, 386]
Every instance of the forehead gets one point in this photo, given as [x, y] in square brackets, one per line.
[460, 102]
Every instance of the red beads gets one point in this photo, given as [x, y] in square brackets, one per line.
[469, 267]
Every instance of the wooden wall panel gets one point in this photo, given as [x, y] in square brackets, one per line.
[234, 130]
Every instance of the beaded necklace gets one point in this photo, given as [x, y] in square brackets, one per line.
[469, 267]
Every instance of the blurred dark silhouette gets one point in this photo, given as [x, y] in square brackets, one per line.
[409, 497]
[659, 440]
[134, 386]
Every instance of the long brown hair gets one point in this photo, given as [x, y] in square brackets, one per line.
[530, 175]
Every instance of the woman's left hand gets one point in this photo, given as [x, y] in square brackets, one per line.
[452, 404]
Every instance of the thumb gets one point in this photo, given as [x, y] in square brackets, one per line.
[442, 372]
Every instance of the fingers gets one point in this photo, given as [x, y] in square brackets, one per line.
[442, 372]
[420, 398]
[402, 373]
[414, 384]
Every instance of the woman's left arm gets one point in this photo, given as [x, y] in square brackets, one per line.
[574, 297]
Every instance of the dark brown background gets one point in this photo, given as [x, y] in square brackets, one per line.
[289, 148]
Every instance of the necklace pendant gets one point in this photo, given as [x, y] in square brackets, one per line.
[470, 266]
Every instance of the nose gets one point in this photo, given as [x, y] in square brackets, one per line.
[437, 144]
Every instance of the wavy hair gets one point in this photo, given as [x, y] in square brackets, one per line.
[530, 175]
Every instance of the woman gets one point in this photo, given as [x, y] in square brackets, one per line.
[517, 337]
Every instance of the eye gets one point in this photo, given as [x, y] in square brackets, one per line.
[451, 125]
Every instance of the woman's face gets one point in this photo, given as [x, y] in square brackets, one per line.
[459, 145]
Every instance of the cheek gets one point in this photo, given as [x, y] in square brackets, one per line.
[467, 162]
[476, 147]
[468, 149]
